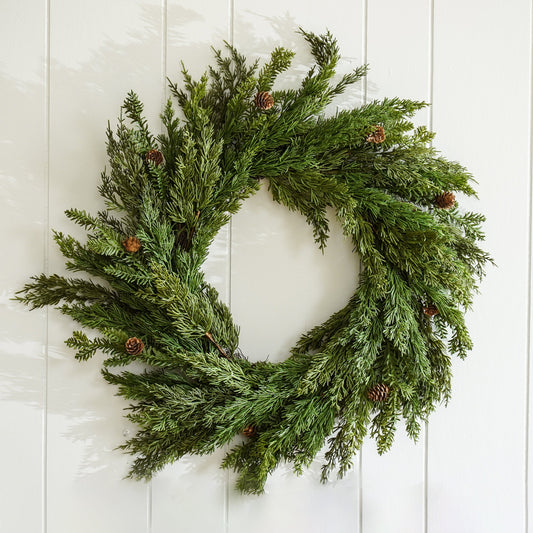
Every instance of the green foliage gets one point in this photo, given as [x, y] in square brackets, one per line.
[197, 392]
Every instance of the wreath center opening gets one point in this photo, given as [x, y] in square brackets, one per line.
[278, 280]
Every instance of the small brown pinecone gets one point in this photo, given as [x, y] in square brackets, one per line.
[134, 346]
[155, 156]
[445, 200]
[377, 136]
[263, 100]
[379, 393]
[131, 244]
[430, 310]
[249, 432]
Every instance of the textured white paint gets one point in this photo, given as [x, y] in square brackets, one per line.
[281, 283]
[89, 81]
[22, 227]
[476, 445]
[401, 70]
[178, 490]
[61, 422]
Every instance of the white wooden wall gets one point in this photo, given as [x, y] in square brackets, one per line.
[66, 66]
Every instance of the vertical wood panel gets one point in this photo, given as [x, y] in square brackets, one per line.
[476, 445]
[281, 284]
[398, 56]
[100, 50]
[22, 223]
[190, 495]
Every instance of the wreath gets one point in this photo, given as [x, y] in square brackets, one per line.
[384, 356]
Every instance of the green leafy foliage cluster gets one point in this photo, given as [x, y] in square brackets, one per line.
[197, 392]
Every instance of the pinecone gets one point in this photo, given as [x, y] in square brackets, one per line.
[155, 156]
[249, 432]
[430, 310]
[379, 393]
[377, 136]
[134, 346]
[263, 100]
[445, 200]
[131, 244]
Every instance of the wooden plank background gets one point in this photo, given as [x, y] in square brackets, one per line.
[65, 69]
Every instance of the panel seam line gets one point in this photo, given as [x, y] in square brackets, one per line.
[164, 43]
[364, 96]
[529, 291]
[46, 265]
[164, 48]
[231, 37]
[431, 80]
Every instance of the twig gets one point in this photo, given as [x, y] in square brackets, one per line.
[219, 348]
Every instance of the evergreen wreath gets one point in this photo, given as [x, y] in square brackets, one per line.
[384, 356]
